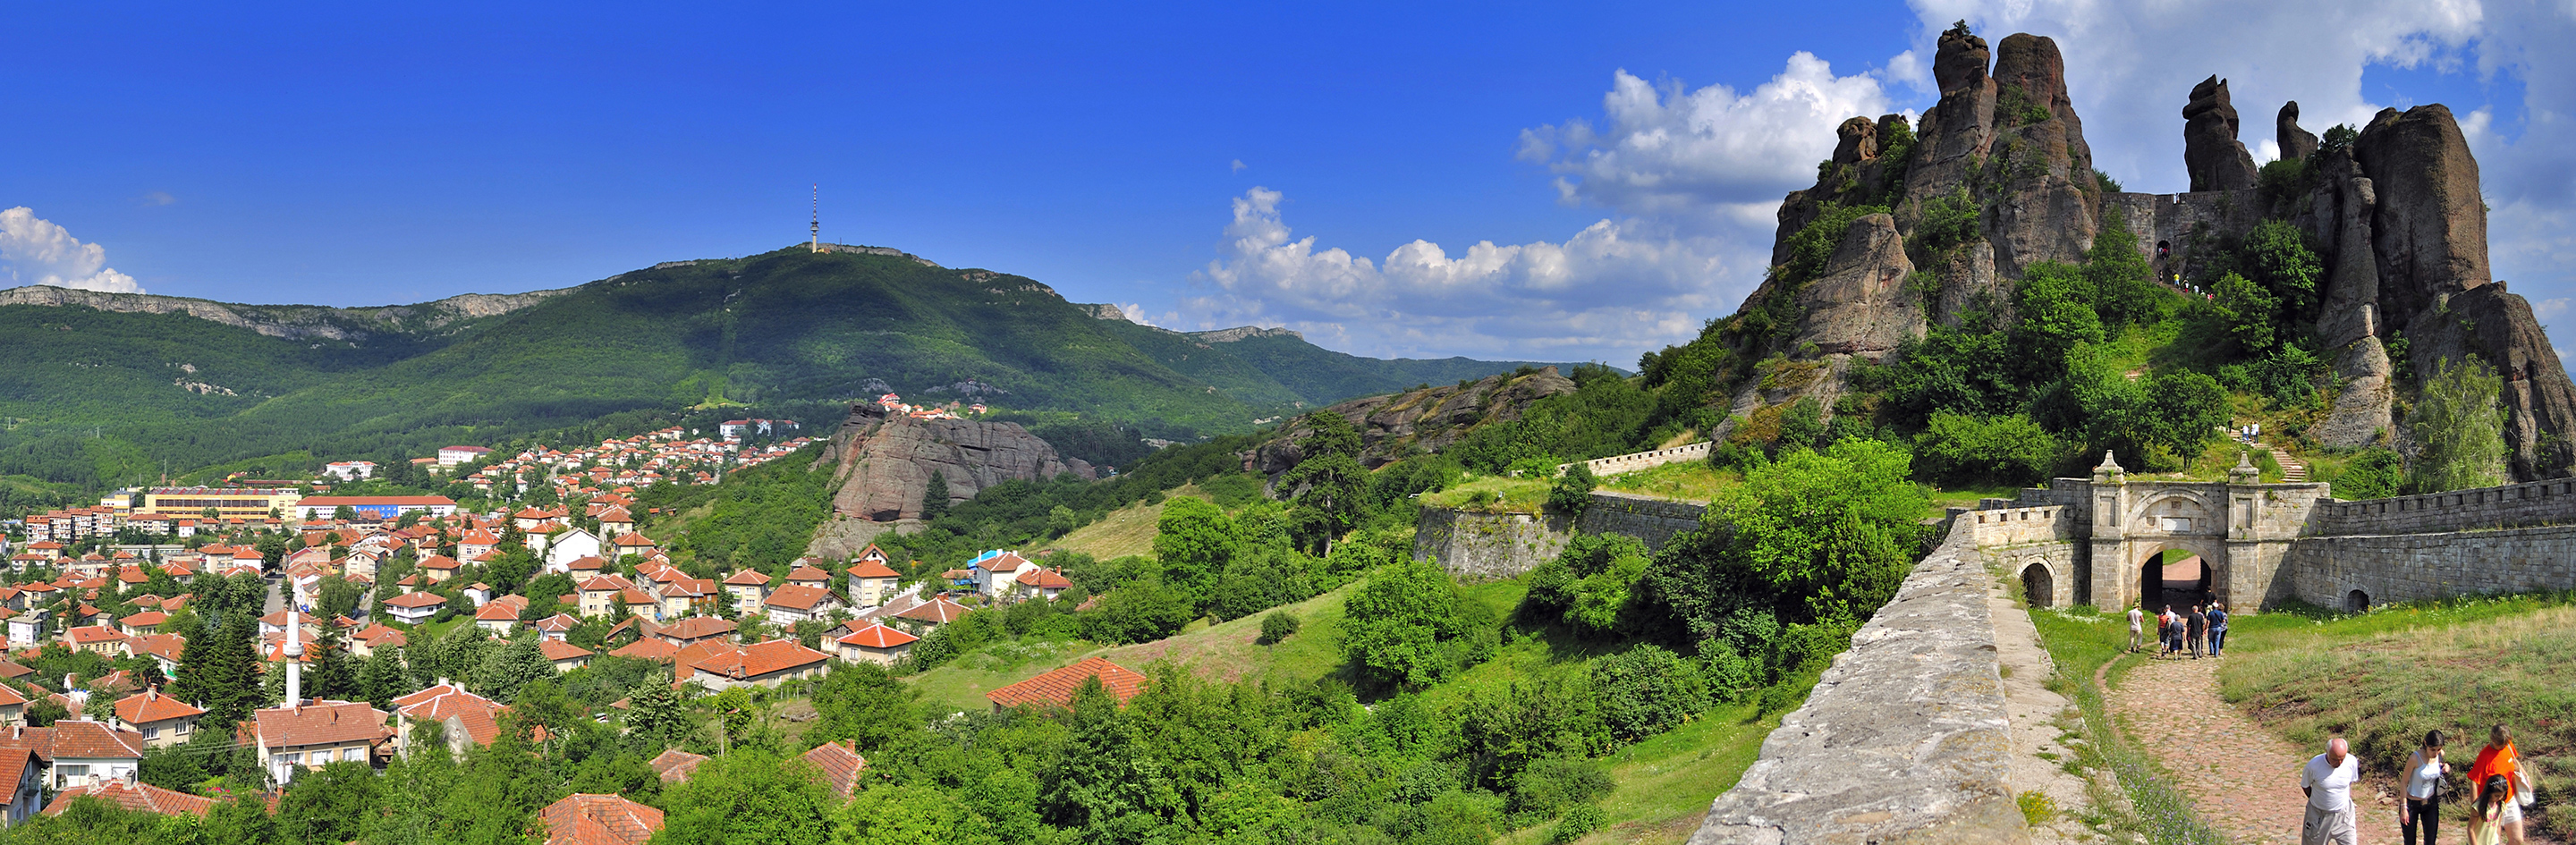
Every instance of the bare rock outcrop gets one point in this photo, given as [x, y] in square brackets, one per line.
[2040, 186]
[1428, 419]
[2295, 143]
[887, 460]
[2499, 328]
[2430, 228]
[2211, 152]
[1862, 305]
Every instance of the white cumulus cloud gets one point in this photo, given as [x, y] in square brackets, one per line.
[1607, 291]
[34, 251]
[1691, 153]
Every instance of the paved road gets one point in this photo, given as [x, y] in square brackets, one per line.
[276, 600]
[2243, 778]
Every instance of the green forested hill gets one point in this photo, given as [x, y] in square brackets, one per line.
[98, 397]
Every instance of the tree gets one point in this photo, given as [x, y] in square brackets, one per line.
[2246, 311]
[907, 814]
[865, 704]
[1813, 537]
[328, 804]
[2460, 423]
[2376, 473]
[219, 670]
[748, 796]
[334, 674]
[2011, 450]
[380, 681]
[1409, 627]
[656, 712]
[1137, 612]
[934, 498]
[344, 513]
[504, 670]
[1277, 627]
[2056, 304]
[1332, 486]
[1193, 540]
[46, 711]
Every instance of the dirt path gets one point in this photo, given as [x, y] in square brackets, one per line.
[2036, 714]
[2242, 778]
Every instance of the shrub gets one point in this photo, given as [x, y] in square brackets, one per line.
[2376, 473]
[1277, 626]
[2013, 449]
[1572, 491]
[1553, 785]
[1646, 690]
[1579, 821]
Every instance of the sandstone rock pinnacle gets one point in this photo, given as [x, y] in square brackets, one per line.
[2296, 143]
[2211, 152]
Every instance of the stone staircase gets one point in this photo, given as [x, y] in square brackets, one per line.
[2292, 472]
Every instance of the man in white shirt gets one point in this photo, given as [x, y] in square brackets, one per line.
[2136, 639]
[2328, 779]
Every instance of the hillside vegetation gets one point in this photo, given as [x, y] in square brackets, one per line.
[115, 397]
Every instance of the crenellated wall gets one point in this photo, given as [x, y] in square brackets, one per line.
[2513, 505]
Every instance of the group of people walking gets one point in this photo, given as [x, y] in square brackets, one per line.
[2499, 789]
[2195, 632]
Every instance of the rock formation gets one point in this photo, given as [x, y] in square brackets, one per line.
[1429, 419]
[2395, 214]
[2211, 152]
[887, 460]
[2296, 143]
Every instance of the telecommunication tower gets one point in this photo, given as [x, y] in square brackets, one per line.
[817, 243]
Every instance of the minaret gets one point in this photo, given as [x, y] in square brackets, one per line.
[294, 659]
[817, 243]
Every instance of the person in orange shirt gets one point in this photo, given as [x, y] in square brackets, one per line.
[2500, 760]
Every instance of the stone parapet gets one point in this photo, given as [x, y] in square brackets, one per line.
[1905, 739]
[2510, 506]
[1634, 461]
[1470, 544]
[2388, 568]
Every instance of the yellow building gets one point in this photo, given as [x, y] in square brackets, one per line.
[244, 502]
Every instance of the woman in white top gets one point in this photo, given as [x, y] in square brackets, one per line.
[2423, 808]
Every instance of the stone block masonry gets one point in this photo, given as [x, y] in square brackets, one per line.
[1501, 545]
[2513, 505]
[2384, 568]
[1905, 739]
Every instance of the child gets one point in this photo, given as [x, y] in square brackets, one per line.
[2486, 824]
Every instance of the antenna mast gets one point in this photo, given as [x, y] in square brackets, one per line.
[817, 243]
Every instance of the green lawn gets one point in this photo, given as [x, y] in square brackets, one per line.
[1689, 481]
[1492, 494]
[1125, 531]
[2384, 677]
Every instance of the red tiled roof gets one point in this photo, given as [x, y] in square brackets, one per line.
[1057, 687]
[132, 796]
[938, 611]
[560, 650]
[648, 648]
[84, 738]
[877, 636]
[1045, 579]
[323, 723]
[586, 819]
[696, 628]
[676, 765]
[151, 706]
[417, 600]
[480, 716]
[798, 597]
[747, 577]
[13, 770]
[873, 569]
[841, 765]
[805, 572]
[758, 659]
[92, 634]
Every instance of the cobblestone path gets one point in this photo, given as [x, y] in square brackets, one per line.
[2242, 778]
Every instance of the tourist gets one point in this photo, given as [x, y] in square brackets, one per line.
[2327, 780]
[2423, 806]
[2499, 760]
[2173, 633]
[2486, 822]
[2195, 627]
[2217, 628]
[2164, 632]
[2136, 640]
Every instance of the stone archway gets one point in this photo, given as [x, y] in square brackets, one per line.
[2180, 572]
[2356, 601]
[2038, 585]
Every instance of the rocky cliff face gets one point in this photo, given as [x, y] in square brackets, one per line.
[1429, 419]
[290, 321]
[2395, 213]
[887, 460]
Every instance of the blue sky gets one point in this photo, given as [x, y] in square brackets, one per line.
[1619, 164]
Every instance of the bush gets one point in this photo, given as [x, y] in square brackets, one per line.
[1551, 786]
[2376, 473]
[1277, 626]
[1646, 690]
[1572, 491]
[1579, 821]
[1960, 450]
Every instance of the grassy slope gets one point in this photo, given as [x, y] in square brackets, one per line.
[1222, 651]
[1321, 376]
[1125, 531]
[2384, 677]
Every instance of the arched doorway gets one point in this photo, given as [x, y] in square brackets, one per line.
[2356, 601]
[2176, 578]
[2038, 585]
